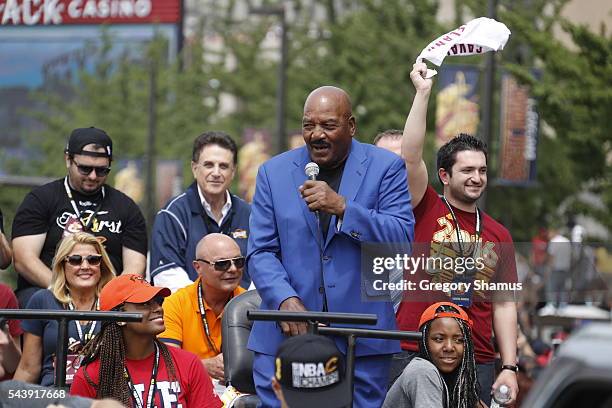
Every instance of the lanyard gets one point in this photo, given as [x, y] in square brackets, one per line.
[75, 207]
[457, 228]
[203, 316]
[151, 395]
[91, 325]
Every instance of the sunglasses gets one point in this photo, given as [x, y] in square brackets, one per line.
[223, 265]
[101, 171]
[77, 260]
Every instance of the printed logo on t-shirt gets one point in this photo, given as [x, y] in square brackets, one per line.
[73, 225]
[67, 219]
[73, 358]
[444, 245]
[167, 392]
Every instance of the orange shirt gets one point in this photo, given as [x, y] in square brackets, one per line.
[184, 325]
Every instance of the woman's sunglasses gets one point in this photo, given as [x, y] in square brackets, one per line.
[223, 265]
[101, 171]
[77, 260]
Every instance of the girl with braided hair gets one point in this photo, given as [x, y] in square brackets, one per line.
[443, 375]
[126, 362]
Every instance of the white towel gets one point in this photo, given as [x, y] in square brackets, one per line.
[476, 37]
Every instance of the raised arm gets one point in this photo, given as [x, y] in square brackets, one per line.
[413, 139]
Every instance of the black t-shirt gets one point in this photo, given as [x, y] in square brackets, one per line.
[332, 177]
[47, 210]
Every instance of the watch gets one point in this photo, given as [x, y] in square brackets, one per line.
[510, 367]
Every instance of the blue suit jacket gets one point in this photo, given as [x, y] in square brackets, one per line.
[283, 254]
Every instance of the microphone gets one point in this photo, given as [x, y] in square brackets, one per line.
[312, 171]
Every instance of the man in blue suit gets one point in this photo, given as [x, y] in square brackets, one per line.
[361, 197]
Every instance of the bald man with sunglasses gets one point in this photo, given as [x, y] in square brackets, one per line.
[193, 314]
[80, 201]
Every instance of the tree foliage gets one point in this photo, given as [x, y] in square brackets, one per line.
[366, 47]
[574, 103]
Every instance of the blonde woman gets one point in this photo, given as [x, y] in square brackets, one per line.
[81, 268]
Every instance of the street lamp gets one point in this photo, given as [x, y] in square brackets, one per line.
[151, 152]
[281, 88]
[487, 106]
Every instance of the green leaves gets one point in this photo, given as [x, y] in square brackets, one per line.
[227, 80]
[575, 105]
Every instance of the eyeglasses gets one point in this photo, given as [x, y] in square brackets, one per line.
[77, 260]
[101, 171]
[223, 265]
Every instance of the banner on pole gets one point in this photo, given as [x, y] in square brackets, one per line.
[519, 122]
[457, 102]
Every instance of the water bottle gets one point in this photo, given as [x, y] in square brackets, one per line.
[500, 396]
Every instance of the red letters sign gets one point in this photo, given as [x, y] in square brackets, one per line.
[61, 12]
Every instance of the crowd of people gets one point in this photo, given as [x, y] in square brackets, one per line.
[79, 244]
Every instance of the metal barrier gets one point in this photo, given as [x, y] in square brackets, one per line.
[314, 319]
[63, 317]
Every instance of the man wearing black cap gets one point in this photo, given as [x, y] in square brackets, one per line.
[81, 201]
[310, 372]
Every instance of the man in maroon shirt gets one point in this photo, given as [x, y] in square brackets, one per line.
[452, 227]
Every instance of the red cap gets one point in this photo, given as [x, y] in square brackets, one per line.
[430, 313]
[128, 288]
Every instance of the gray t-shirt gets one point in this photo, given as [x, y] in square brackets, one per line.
[560, 250]
[419, 386]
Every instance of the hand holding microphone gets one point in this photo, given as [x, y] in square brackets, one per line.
[312, 171]
[318, 195]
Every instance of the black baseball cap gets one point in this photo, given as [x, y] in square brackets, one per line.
[81, 137]
[311, 372]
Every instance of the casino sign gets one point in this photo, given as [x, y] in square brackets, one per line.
[63, 12]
